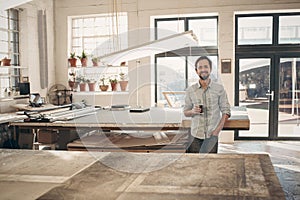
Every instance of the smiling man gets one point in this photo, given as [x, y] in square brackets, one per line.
[207, 103]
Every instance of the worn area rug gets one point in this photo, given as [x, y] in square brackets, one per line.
[173, 176]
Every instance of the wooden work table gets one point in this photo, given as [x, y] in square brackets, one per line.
[155, 119]
[78, 175]
[160, 129]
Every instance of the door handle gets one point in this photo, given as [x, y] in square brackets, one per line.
[271, 94]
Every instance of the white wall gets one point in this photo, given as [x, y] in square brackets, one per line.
[29, 43]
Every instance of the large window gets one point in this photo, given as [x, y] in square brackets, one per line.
[98, 35]
[9, 48]
[255, 30]
[205, 28]
[268, 29]
[175, 70]
[289, 29]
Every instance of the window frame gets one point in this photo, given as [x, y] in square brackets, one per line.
[272, 51]
[184, 52]
[94, 36]
[275, 33]
[12, 52]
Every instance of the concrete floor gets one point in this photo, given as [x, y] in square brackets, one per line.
[285, 157]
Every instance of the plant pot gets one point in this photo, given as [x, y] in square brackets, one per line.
[82, 86]
[83, 62]
[113, 86]
[91, 86]
[71, 84]
[95, 64]
[123, 85]
[72, 62]
[76, 85]
[103, 87]
[5, 62]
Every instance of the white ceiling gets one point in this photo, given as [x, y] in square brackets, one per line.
[5, 4]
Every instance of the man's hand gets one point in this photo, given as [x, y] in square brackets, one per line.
[214, 133]
[220, 125]
[197, 110]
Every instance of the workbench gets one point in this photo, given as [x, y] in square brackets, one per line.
[77, 175]
[155, 120]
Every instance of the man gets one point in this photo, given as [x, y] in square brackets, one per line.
[207, 119]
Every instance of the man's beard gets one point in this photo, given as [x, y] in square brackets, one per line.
[203, 77]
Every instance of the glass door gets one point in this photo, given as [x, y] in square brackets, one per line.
[271, 96]
[255, 95]
[289, 97]
[268, 74]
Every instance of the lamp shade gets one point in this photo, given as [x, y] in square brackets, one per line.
[165, 44]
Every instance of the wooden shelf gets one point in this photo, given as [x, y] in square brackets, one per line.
[100, 92]
[13, 67]
[101, 66]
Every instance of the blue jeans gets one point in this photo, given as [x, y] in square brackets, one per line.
[195, 145]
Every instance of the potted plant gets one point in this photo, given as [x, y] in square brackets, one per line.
[103, 86]
[113, 84]
[77, 80]
[82, 83]
[95, 61]
[72, 80]
[123, 81]
[5, 61]
[83, 59]
[72, 60]
[71, 83]
[91, 84]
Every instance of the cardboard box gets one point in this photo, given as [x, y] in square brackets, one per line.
[47, 136]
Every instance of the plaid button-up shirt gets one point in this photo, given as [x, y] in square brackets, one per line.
[215, 103]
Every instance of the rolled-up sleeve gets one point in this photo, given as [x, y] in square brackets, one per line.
[188, 105]
[224, 103]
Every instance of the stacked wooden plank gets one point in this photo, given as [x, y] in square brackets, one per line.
[144, 141]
